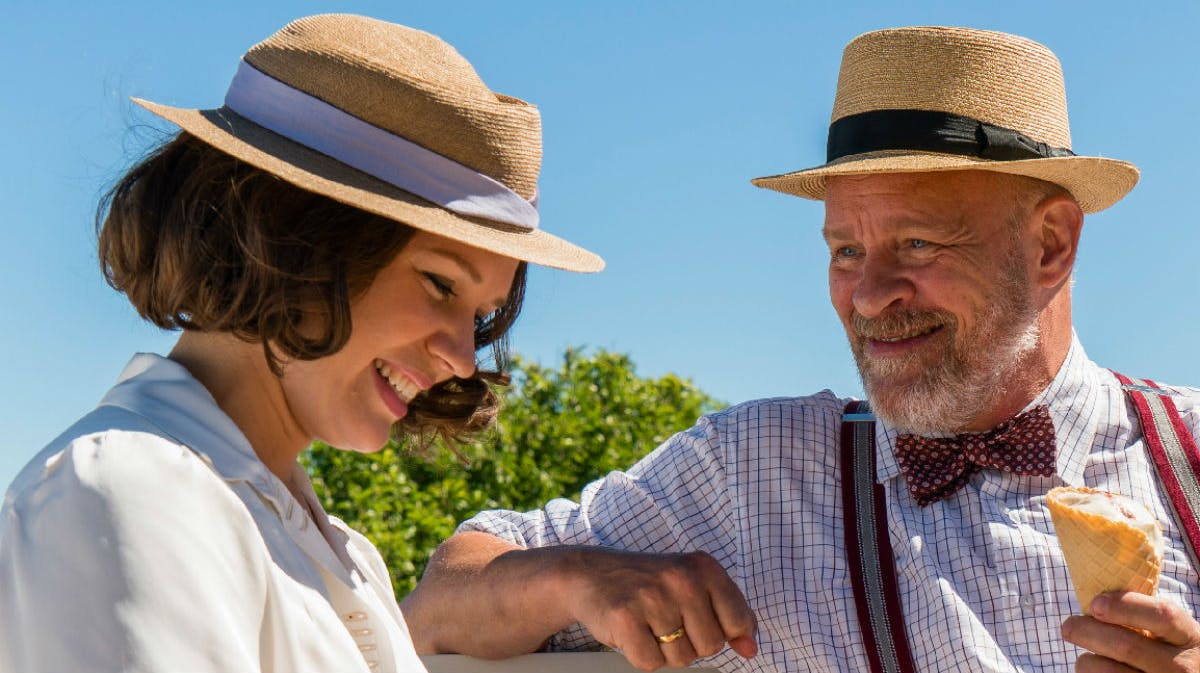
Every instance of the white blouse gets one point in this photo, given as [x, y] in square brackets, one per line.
[149, 537]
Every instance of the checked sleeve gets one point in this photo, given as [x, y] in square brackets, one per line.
[676, 499]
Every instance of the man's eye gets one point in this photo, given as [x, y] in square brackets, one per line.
[845, 251]
[918, 243]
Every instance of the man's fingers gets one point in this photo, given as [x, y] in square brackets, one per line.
[733, 613]
[636, 600]
[679, 652]
[640, 647]
[1092, 663]
[745, 646]
[1162, 618]
[737, 619]
[704, 632]
[1119, 644]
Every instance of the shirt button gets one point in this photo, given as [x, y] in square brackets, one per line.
[1028, 601]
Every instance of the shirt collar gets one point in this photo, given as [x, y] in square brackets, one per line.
[164, 393]
[1073, 399]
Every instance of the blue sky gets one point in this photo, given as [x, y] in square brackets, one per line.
[656, 116]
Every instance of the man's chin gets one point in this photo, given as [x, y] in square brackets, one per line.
[914, 405]
[894, 378]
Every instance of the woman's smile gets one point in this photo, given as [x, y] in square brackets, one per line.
[395, 388]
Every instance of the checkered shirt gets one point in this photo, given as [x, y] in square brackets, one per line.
[982, 580]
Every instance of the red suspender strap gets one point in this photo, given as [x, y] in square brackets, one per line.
[869, 550]
[1174, 452]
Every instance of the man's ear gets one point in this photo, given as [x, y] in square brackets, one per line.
[1059, 221]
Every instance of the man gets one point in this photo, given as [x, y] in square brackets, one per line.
[954, 208]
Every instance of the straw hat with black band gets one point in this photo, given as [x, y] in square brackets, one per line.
[939, 99]
[395, 122]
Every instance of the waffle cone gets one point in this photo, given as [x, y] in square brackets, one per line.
[1102, 554]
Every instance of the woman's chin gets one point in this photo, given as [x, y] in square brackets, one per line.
[365, 442]
[368, 449]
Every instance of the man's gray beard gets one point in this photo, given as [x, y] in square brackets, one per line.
[971, 372]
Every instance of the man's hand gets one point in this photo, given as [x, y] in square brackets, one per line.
[488, 598]
[628, 600]
[1115, 647]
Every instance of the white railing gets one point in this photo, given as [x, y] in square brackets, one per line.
[548, 662]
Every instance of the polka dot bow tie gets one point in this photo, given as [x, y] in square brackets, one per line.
[937, 467]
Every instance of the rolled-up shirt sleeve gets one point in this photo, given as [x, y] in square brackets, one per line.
[676, 499]
[127, 553]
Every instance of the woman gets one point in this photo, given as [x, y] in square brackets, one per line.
[336, 243]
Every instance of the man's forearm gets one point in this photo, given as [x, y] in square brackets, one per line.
[483, 597]
[487, 598]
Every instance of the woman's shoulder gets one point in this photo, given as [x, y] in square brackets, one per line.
[114, 463]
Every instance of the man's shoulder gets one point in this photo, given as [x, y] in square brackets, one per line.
[1184, 398]
[820, 412]
[1187, 401]
[820, 402]
[1186, 392]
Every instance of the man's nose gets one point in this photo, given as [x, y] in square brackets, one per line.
[881, 284]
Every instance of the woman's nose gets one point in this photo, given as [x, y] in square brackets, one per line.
[454, 350]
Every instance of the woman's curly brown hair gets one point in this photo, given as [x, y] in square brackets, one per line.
[199, 240]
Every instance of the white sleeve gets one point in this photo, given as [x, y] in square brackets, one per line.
[128, 553]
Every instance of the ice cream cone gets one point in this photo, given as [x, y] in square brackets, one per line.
[1110, 543]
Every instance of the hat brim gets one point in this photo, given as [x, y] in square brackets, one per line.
[1095, 182]
[316, 172]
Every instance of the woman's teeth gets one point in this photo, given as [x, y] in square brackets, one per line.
[405, 388]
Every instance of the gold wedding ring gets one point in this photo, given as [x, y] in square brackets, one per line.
[670, 637]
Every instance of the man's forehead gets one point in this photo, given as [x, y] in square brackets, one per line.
[913, 204]
[927, 193]
[866, 194]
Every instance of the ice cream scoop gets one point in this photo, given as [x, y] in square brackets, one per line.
[1110, 543]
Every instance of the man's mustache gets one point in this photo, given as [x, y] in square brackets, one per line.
[900, 323]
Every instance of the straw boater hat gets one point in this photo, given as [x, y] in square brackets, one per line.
[938, 99]
[395, 122]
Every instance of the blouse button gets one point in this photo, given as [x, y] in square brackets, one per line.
[372, 664]
[366, 648]
[360, 632]
[356, 616]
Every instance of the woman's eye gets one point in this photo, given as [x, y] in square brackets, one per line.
[441, 286]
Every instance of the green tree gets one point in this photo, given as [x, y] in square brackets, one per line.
[558, 430]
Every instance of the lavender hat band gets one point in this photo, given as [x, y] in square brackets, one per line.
[318, 125]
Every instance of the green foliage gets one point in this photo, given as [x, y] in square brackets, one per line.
[558, 430]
